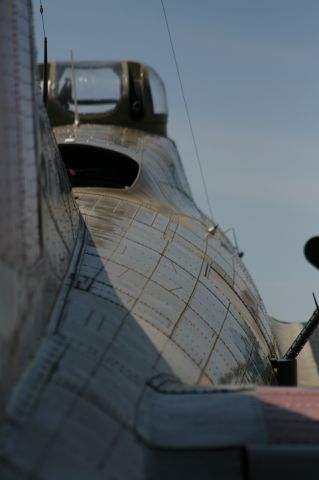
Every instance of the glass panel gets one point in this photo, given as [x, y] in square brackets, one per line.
[98, 88]
[157, 92]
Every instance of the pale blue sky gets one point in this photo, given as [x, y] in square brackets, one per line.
[250, 70]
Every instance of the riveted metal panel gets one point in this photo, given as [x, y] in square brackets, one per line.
[57, 400]
[180, 363]
[159, 307]
[177, 199]
[174, 278]
[247, 290]
[252, 329]
[248, 296]
[259, 368]
[233, 333]
[78, 364]
[39, 221]
[264, 321]
[90, 267]
[104, 243]
[114, 270]
[185, 254]
[220, 267]
[192, 231]
[103, 203]
[145, 215]
[19, 182]
[26, 396]
[109, 226]
[154, 335]
[125, 209]
[133, 347]
[127, 282]
[101, 290]
[238, 305]
[135, 256]
[236, 317]
[217, 288]
[75, 432]
[222, 366]
[121, 285]
[78, 311]
[194, 336]
[222, 258]
[147, 236]
[161, 222]
[88, 201]
[245, 338]
[117, 383]
[208, 306]
[164, 149]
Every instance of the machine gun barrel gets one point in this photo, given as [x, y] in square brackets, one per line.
[303, 336]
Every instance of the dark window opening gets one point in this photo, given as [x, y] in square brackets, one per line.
[89, 166]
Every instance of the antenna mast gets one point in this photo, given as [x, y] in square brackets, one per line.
[74, 94]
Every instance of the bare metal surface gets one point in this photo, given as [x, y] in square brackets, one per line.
[170, 270]
[154, 330]
[19, 239]
[144, 300]
[38, 217]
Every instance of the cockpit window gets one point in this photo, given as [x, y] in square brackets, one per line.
[90, 166]
[157, 92]
[98, 88]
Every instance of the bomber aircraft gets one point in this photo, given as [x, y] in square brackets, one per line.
[133, 342]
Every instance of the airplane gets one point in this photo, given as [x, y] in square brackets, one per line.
[134, 342]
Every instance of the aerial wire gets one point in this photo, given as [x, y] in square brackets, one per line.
[187, 111]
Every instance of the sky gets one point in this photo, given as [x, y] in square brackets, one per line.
[250, 72]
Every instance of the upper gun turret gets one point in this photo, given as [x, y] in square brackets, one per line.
[114, 93]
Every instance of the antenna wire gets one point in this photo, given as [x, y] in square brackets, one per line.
[187, 110]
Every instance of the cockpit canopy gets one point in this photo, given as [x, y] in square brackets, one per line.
[116, 93]
[97, 87]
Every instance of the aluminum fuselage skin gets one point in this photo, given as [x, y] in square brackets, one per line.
[127, 316]
[151, 250]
